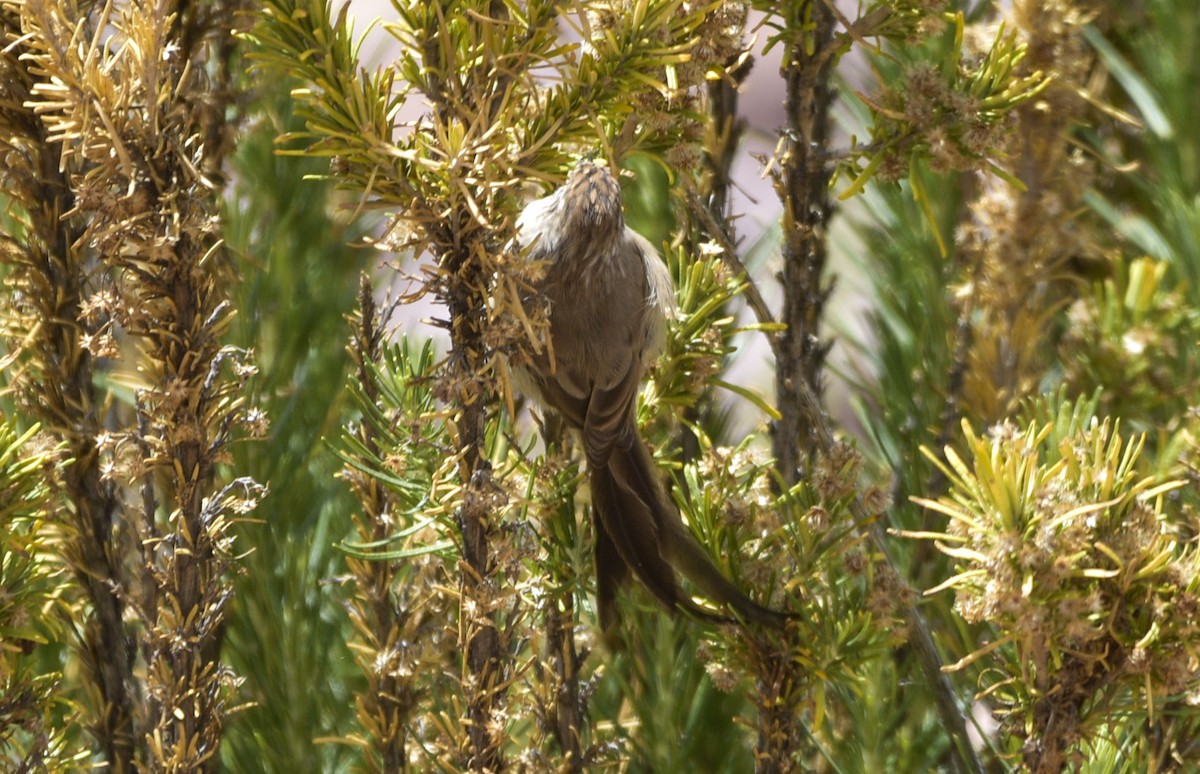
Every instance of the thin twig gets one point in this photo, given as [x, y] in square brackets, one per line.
[730, 257]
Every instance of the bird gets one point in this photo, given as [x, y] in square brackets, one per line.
[608, 295]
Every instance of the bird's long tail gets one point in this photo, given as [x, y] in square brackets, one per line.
[639, 529]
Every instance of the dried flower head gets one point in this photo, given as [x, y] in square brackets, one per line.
[1060, 545]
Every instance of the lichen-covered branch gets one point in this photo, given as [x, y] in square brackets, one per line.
[802, 182]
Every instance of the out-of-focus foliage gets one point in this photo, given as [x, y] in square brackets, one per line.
[37, 731]
[298, 280]
[1136, 340]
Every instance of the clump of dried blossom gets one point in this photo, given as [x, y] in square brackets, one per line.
[1063, 545]
[1022, 243]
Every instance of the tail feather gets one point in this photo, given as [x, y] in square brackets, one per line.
[626, 523]
[635, 518]
[611, 570]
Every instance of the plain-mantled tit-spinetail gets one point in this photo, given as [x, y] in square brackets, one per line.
[608, 295]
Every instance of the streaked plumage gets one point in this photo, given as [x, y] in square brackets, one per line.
[608, 295]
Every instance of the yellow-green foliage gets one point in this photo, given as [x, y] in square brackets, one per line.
[1065, 544]
[33, 709]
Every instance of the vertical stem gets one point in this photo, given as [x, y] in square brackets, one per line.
[189, 615]
[803, 187]
[727, 131]
[388, 698]
[50, 270]
[485, 658]
[568, 711]
[778, 720]
[68, 405]
[463, 257]
[170, 272]
[724, 136]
